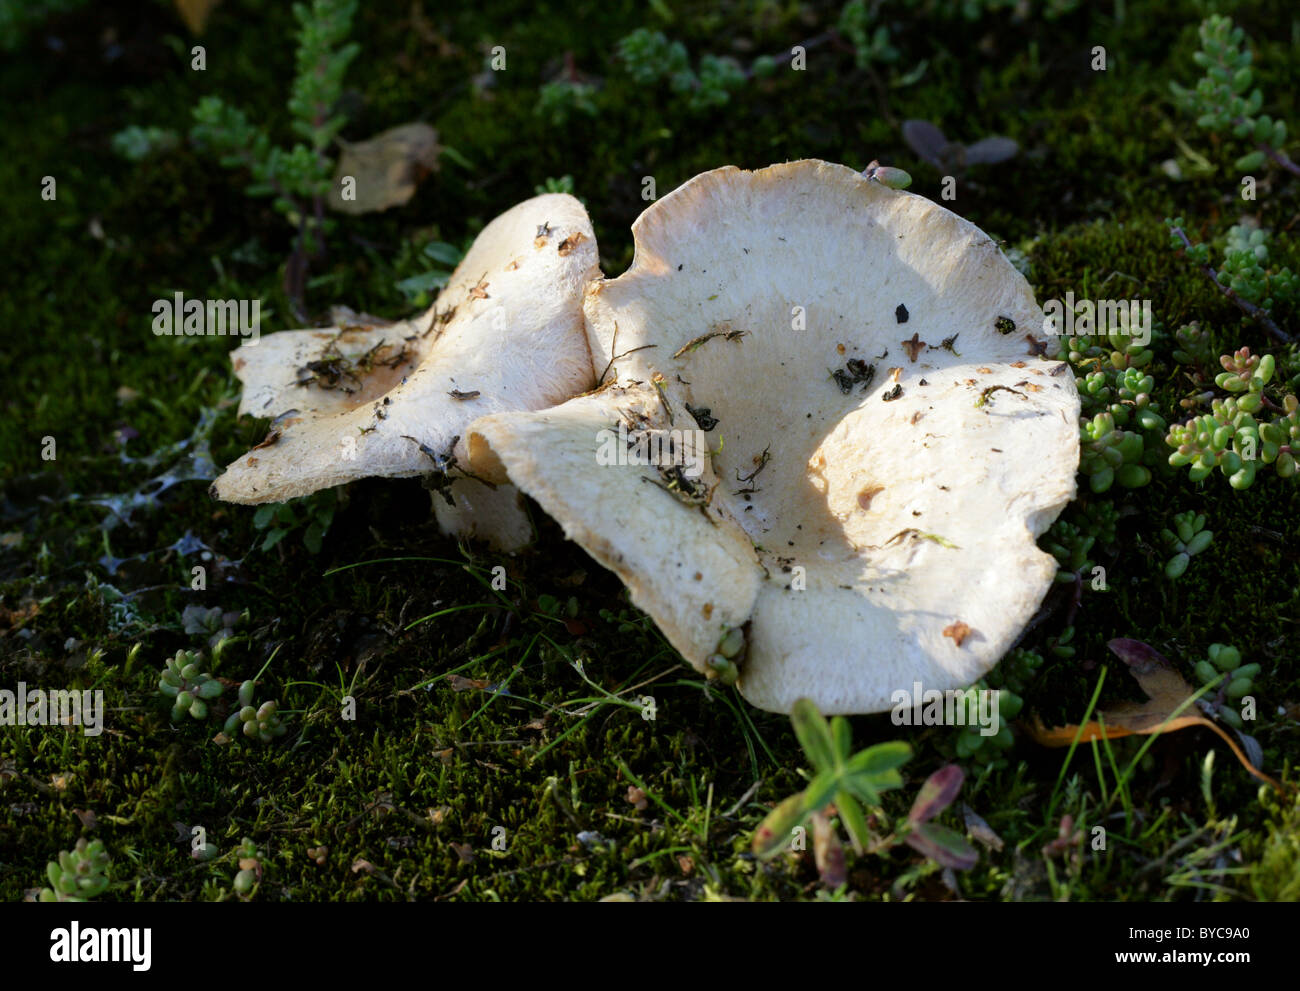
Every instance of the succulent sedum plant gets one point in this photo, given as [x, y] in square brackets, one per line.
[262, 722]
[1194, 344]
[250, 867]
[1009, 679]
[184, 682]
[1230, 437]
[1234, 680]
[1115, 406]
[1188, 538]
[1108, 454]
[1070, 546]
[1244, 271]
[1223, 99]
[649, 57]
[79, 874]
[1243, 279]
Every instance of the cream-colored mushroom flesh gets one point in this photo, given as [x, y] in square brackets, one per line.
[691, 570]
[888, 435]
[505, 334]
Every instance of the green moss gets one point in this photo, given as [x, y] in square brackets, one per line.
[431, 761]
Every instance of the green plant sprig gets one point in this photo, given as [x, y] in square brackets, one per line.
[1220, 98]
[257, 722]
[1199, 255]
[650, 57]
[1010, 679]
[1187, 539]
[853, 780]
[250, 867]
[1115, 394]
[297, 177]
[1194, 344]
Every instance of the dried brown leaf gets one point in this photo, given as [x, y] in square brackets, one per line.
[1166, 692]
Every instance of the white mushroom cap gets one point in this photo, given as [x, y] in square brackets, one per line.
[273, 368]
[505, 334]
[693, 573]
[893, 539]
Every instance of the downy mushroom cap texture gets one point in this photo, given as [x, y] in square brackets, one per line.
[396, 400]
[827, 431]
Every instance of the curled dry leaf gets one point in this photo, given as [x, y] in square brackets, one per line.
[979, 830]
[385, 169]
[1066, 837]
[933, 147]
[463, 851]
[195, 13]
[1166, 710]
[462, 684]
[828, 851]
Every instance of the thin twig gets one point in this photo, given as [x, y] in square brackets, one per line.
[615, 357]
[1246, 307]
[1279, 157]
[814, 42]
[749, 793]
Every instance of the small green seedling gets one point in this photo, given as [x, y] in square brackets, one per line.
[297, 178]
[853, 780]
[722, 663]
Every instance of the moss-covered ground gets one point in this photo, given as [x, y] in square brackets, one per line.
[470, 713]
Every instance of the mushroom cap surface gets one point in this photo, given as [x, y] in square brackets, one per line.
[506, 333]
[889, 440]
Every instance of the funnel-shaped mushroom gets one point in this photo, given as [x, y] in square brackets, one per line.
[887, 441]
[505, 334]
